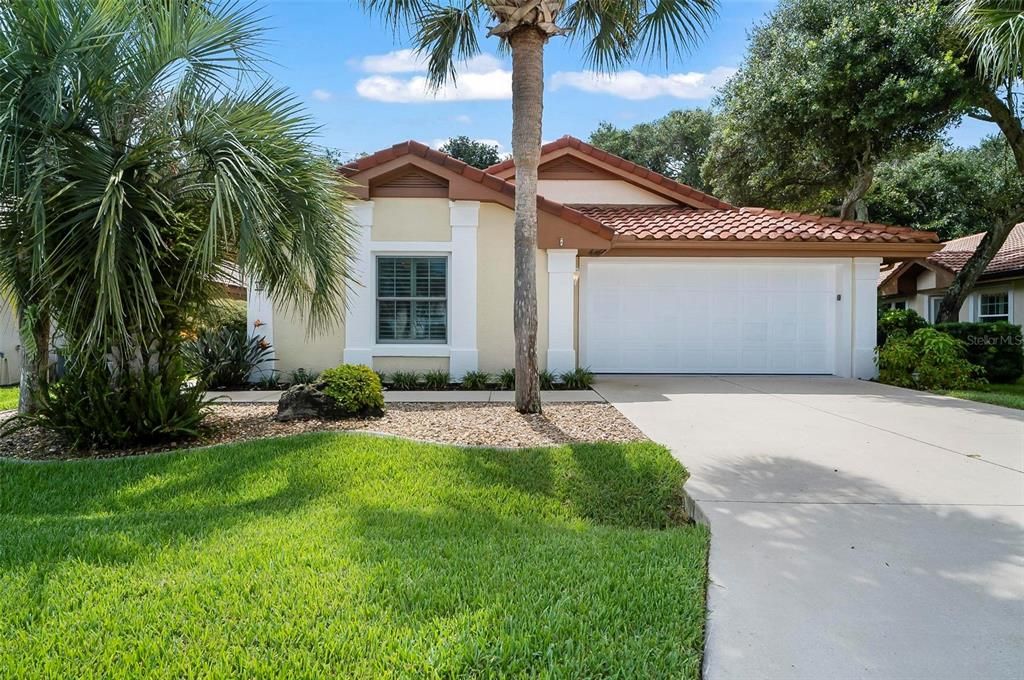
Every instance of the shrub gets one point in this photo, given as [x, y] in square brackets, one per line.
[547, 379]
[476, 380]
[225, 358]
[578, 379]
[436, 380]
[996, 346]
[357, 389]
[507, 379]
[893, 321]
[405, 380]
[382, 376]
[222, 313]
[928, 360]
[92, 407]
[301, 376]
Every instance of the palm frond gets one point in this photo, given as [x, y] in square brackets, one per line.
[447, 35]
[995, 29]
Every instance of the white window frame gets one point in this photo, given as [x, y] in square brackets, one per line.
[377, 257]
[893, 304]
[933, 311]
[979, 317]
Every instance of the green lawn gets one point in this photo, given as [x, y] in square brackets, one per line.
[8, 398]
[330, 555]
[1000, 395]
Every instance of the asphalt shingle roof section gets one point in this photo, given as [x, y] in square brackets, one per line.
[680, 223]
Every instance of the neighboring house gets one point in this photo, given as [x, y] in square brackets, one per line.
[920, 284]
[636, 273]
[10, 345]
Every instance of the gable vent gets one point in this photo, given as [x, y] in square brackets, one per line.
[410, 183]
[568, 167]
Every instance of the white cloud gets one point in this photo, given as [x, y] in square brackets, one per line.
[463, 118]
[321, 95]
[636, 85]
[483, 77]
[409, 61]
[469, 86]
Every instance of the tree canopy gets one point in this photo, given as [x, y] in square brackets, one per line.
[472, 152]
[949, 190]
[675, 145]
[828, 90]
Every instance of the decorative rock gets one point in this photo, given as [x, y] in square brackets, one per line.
[310, 402]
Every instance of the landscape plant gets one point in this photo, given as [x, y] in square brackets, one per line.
[548, 380]
[476, 380]
[145, 154]
[405, 380]
[226, 358]
[356, 389]
[891, 321]
[577, 379]
[507, 379]
[436, 380]
[927, 360]
[612, 33]
[997, 347]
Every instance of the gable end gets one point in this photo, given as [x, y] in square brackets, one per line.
[409, 182]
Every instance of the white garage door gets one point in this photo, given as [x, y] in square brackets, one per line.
[707, 316]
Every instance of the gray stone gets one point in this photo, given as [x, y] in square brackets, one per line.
[309, 402]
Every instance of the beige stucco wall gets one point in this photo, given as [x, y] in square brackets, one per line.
[419, 364]
[411, 219]
[295, 347]
[495, 290]
[926, 283]
[603, 191]
[10, 365]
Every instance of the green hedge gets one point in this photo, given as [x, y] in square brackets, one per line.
[357, 389]
[997, 347]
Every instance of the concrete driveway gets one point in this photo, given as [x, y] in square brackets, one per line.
[858, 530]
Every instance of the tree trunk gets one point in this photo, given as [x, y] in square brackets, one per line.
[963, 284]
[35, 363]
[854, 207]
[527, 45]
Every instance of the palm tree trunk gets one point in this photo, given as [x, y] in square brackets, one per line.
[35, 364]
[527, 113]
[1003, 116]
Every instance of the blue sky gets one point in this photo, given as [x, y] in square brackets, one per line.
[366, 91]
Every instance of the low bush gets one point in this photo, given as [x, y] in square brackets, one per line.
[893, 321]
[92, 407]
[357, 389]
[578, 379]
[405, 380]
[476, 380]
[222, 313]
[928, 360]
[301, 376]
[225, 357]
[547, 379]
[436, 380]
[997, 347]
[507, 379]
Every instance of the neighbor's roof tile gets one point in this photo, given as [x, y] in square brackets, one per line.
[1010, 258]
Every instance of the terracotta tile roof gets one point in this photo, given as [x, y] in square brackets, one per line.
[456, 166]
[669, 185]
[669, 222]
[1010, 258]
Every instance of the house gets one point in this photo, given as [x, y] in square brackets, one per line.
[10, 345]
[636, 273]
[919, 284]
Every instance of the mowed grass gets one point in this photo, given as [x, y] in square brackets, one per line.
[1011, 396]
[8, 398]
[331, 555]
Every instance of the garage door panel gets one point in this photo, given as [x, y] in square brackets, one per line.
[724, 317]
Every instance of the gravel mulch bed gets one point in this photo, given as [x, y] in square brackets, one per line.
[469, 424]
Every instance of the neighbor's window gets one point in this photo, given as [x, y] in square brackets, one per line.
[934, 303]
[994, 307]
[412, 299]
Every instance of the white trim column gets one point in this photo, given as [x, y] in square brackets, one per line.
[359, 299]
[865, 316]
[844, 319]
[259, 313]
[464, 355]
[561, 310]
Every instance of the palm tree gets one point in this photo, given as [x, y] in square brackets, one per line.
[993, 35]
[613, 32]
[142, 152]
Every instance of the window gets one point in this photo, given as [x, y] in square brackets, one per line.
[412, 299]
[934, 302]
[898, 304]
[994, 306]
